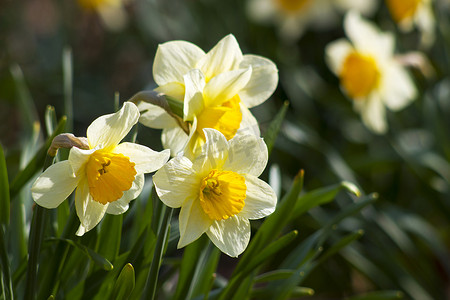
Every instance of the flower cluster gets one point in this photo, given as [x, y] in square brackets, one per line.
[214, 177]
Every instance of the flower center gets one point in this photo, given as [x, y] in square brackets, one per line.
[225, 118]
[109, 175]
[222, 194]
[292, 6]
[402, 9]
[359, 75]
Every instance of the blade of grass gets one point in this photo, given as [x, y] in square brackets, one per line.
[38, 223]
[4, 190]
[274, 127]
[152, 278]
[68, 89]
[7, 286]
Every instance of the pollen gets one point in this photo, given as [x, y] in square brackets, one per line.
[222, 194]
[292, 6]
[109, 175]
[402, 9]
[225, 118]
[359, 75]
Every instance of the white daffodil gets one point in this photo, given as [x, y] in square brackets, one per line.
[107, 176]
[407, 13]
[293, 16]
[365, 7]
[217, 89]
[218, 191]
[111, 12]
[368, 71]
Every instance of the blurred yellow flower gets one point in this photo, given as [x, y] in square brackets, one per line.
[107, 176]
[218, 191]
[216, 89]
[368, 71]
[407, 13]
[294, 16]
[111, 12]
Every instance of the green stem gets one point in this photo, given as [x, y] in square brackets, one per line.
[35, 242]
[152, 279]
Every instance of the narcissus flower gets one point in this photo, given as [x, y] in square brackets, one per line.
[111, 12]
[216, 89]
[218, 191]
[293, 17]
[107, 176]
[368, 71]
[407, 13]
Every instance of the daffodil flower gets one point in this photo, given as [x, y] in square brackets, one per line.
[218, 191]
[111, 12]
[107, 176]
[216, 90]
[369, 73]
[407, 13]
[293, 17]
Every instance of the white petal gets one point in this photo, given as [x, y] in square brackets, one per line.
[225, 86]
[247, 155]
[172, 89]
[78, 158]
[248, 125]
[146, 160]
[120, 206]
[262, 83]
[193, 98]
[175, 139]
[336, 53]
[110, 129]
[173, 60]
[260, 200]
[54, 185]
[225, 56]
[373, 114]
[366, 37]
[89, 212]
[193, 222]
[231, 236]
[176, 181]
[154, 116]
[399, 89]
[214, 152]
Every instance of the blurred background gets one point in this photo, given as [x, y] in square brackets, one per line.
[105, 48]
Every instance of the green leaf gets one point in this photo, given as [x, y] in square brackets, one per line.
[4, 190]
[274, 275]
[68, 86]
[379, 295]
[274, 127]
[269, 251]
[50, 119]
[36, 163]
[161, 242]
[193, 253]
[125, 283]
[95, 257]
[298, 291]
[345, 241]
[108, 242]
[5, 271]
[204, 275]
[321, 196]
[273, 224]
